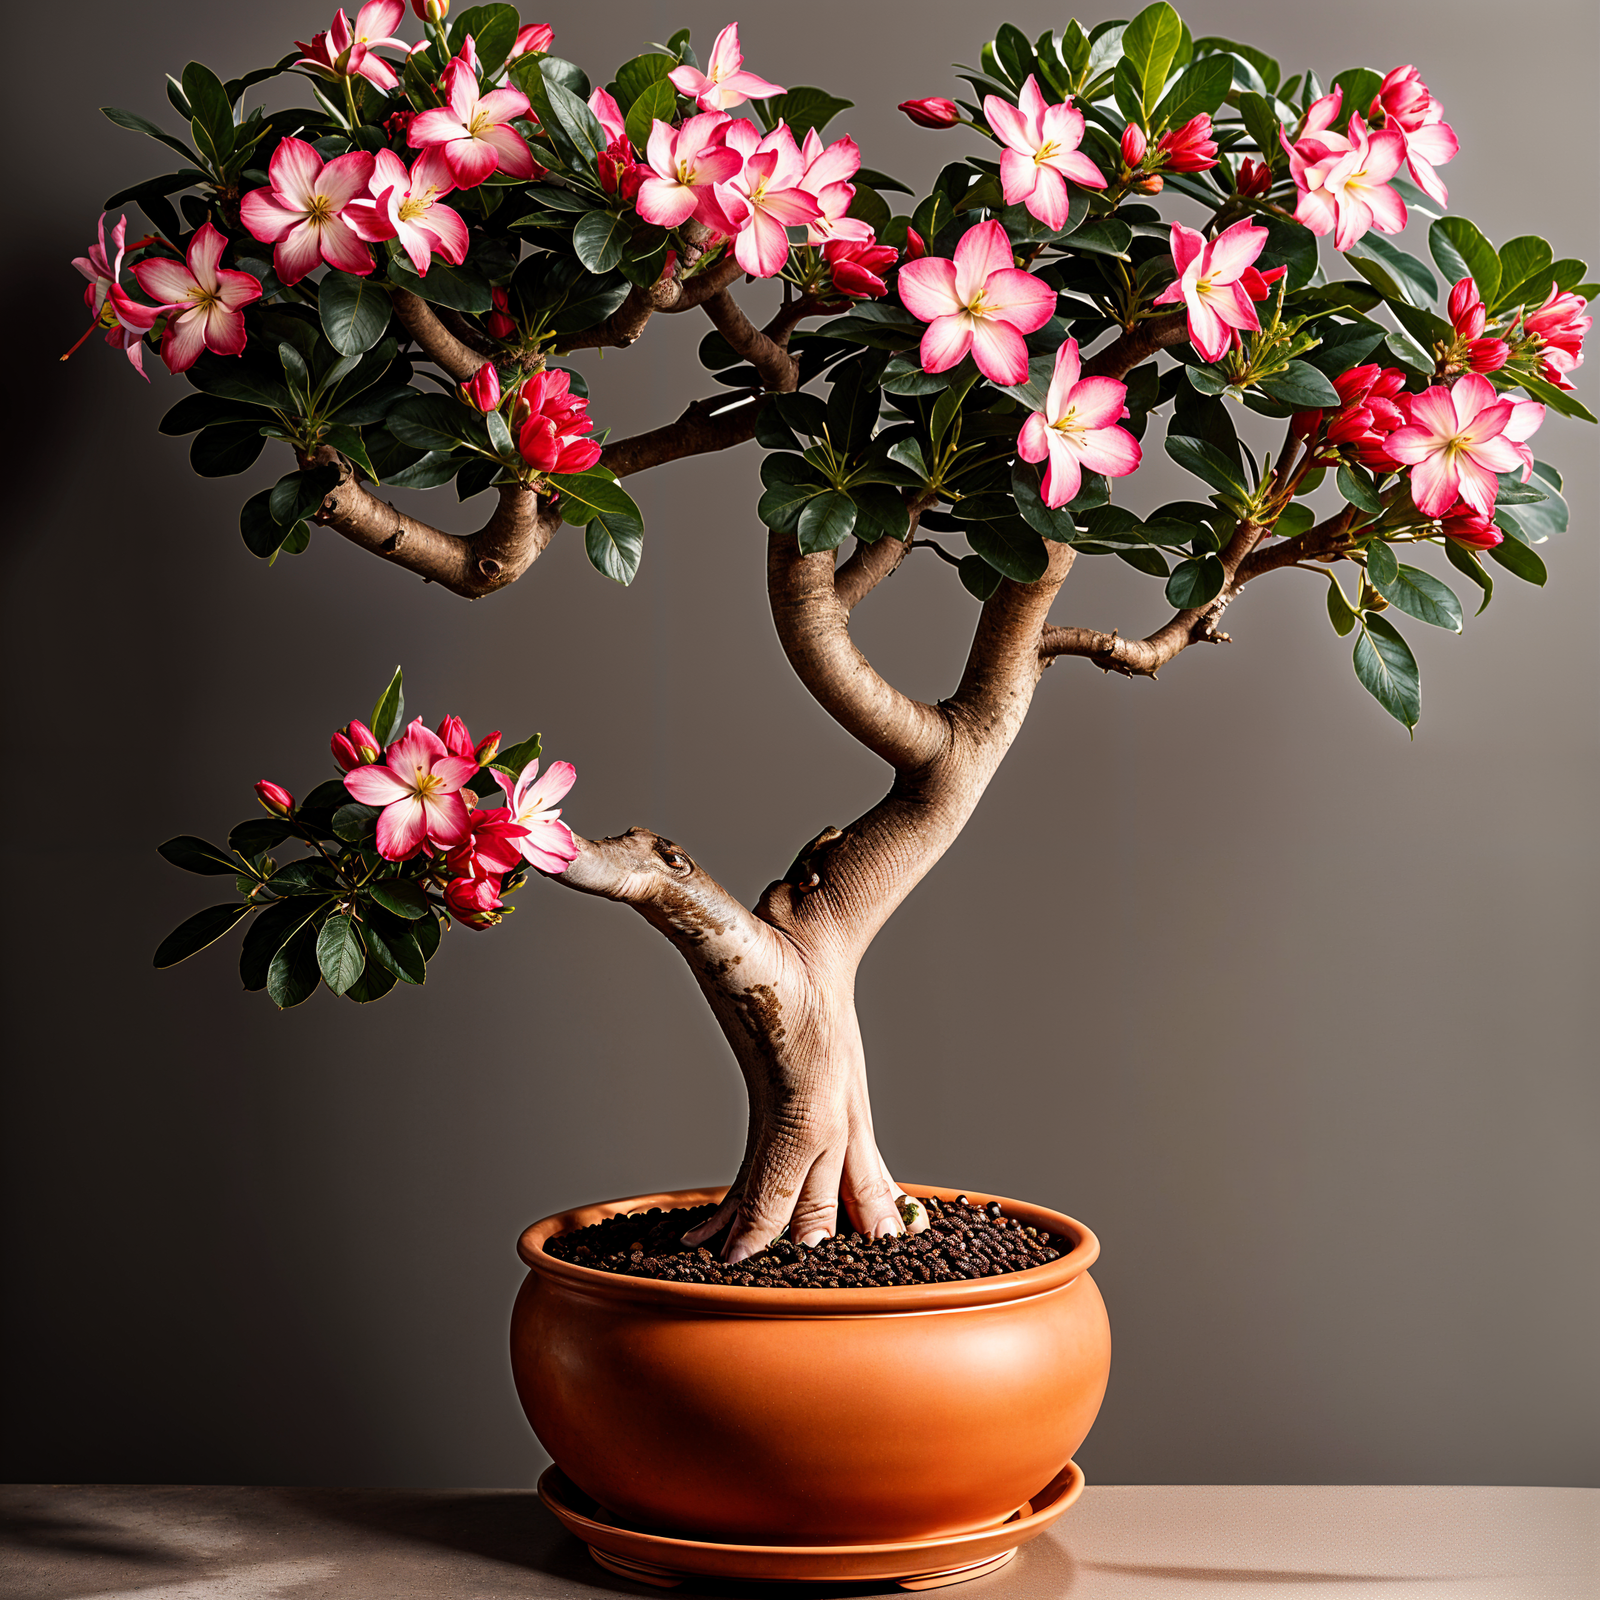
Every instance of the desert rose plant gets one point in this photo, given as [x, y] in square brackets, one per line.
[388, 279]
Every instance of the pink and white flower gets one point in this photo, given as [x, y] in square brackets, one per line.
[125, 321]
[204, 300]
[405, 206]
[1078, 429]
[344, 51]
[490, 850]
[1343, 178]
[535, 39]
[1458, 440]
[855, 266]
[686, 163]
[1559, 325]
[980, 301]
[300, 214]
[1041, 153]
[1210, 283]
[828, 171]
[549, 844]
[765, 198]
[1405, 105]
[473, 129]
[1470, 528]
[727, 84]
[419, 785]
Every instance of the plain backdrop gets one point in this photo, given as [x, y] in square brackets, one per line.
[1298, 1014]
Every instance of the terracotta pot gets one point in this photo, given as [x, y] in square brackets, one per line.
[806, 1416]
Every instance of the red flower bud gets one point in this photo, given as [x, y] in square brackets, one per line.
[500, 323]
[431, 10]
[1466, 306]
[1189, 148]
[1134, 144]
[474, 901]
[1470, 528]
[454, 736]
[487, 749]
[932, 113]
[1488, 355]
[482, 390]
[1254, 178]
[275, 798]
[915, 248]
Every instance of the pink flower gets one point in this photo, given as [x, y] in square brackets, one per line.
[482, 392]
[355, 746]
[1406, 106]
[125, 321]
[1134, 145]
[1559, 325]
[1458, 440]
[535, 39]
[686, 163]
[418, 787]
[552, 424]
[1077, 429]
[827, 180]
[1189, 148]
[474, 902]
[275, 798]
[490, 850]
[932, 112]
[405, 206]
[618, 168]
[1209, 284]
[1041, 153]
[980, 302]
[1253, 178]
[1343, 180]
[609, 115]
[454, 737]
[1372, 398]
[855, 265]
[1469, 527]
[765, 198]
[472, 130]
[300, 214]
[500, 323]
[205, 300]
[916, 246]
[549, 844]
[726, 85]
[344, 52]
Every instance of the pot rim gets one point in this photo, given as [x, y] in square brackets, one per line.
[749, 1301]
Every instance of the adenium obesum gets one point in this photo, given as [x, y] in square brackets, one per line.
[402, 843]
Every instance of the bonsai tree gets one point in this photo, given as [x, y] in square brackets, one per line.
[1125, 246]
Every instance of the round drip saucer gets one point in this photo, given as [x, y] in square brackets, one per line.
[657, 1559]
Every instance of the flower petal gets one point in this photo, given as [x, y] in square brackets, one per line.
[947, 341]
[265, 217]
[1112, 451]
[982, 252]
[294, 169]
[375, 786]
[927, 287]
[999, 350]
[1063, 378]
[346, 177]
[401, 829]
[1019, 298]
[168, 282]
[1063, 478]
[1098, 402]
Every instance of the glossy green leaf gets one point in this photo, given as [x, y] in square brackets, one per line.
[389, 713]
[1027, 487]
[637, 75]
[1011, 547]
[1421, 595]
[293, 975]
[510, 761]
[880, 512]
[1340, 612]
[435, 422]
[1461, 251]
[1206, 462]
[1415, 283]
[613, 524]
[1466, 563]
[136, 124]
[373, 984]
[393, 944]
[199, 855]
[1357, 487]
[403, 896]
[803, 109]
[1195, 583]
[355, 822]
[354, 311]
[826, 521]
[1382, 565]
[258, 835]
[600, 238]
[1525, 264]
[1520, 561]
[341, 956]
[461, 288]
[1203, 87]
[1150, 44]
[1387, 670]
[1300, 385]
[222, 450]
[657, 103]
[194, 933]
[978, 578]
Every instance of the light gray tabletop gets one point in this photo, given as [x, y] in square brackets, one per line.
[173, 1542]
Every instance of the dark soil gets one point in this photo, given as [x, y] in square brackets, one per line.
[962, 1241]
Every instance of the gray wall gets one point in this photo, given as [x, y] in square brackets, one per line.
[1292, 1011]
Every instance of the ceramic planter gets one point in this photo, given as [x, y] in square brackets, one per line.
[796, 1417]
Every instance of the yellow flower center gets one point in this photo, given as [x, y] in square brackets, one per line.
[1044, 152]
[204, 299]
[414, 205]
[320, 211]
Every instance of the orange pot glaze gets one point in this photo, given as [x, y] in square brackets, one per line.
[810, 1416]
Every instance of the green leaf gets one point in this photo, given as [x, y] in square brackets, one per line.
[1027, 479]
[1203, 87]
[403, 896]
[262, 535]
[978, 578]
[1558, 400]
[1421, 595]
[1382, 566]
[1195, 583]
[600, 238]
[198, 855]
[854, 399]
[1520, 561]
[657, 103]
[1300, 385]
[268, 933]
[1344, 347]
[1151, 562]
[389, 714]
[1150, 43]
[780, 507]
[803, 109]
[354, 311]
[1207, 463]
[1011, 547]
[340, 953]
[391, 940]
[258, 835]
[434, 422]
[1261, 122]
[880, 512]
[613, 525]
[1415, 283]
[356, 821]
[297, 494]
[211, 111]
[1387, 669]
[373, 984]
[637, 75]
[1340, 612]
[1535, 521]
[223, 450]
[196, 932]
[1465, 562]
[1354, 484]
[293, 975]
[1461, 251]
[585, 136]
[461, 288]
[1294, 520]
[826, 521]
[137, 124]
[494, 33]
[512, 761]
[948, 404]
[1525, 264]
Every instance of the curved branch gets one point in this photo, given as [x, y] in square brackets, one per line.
[869, 565]
[441, 346]
[1137, 344]
[471, 565]
[778, 370]
[813, 628]
[716, 423]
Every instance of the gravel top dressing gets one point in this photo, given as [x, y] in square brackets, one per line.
[962, 1241]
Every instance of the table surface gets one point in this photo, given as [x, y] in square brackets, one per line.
[178, 1542]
